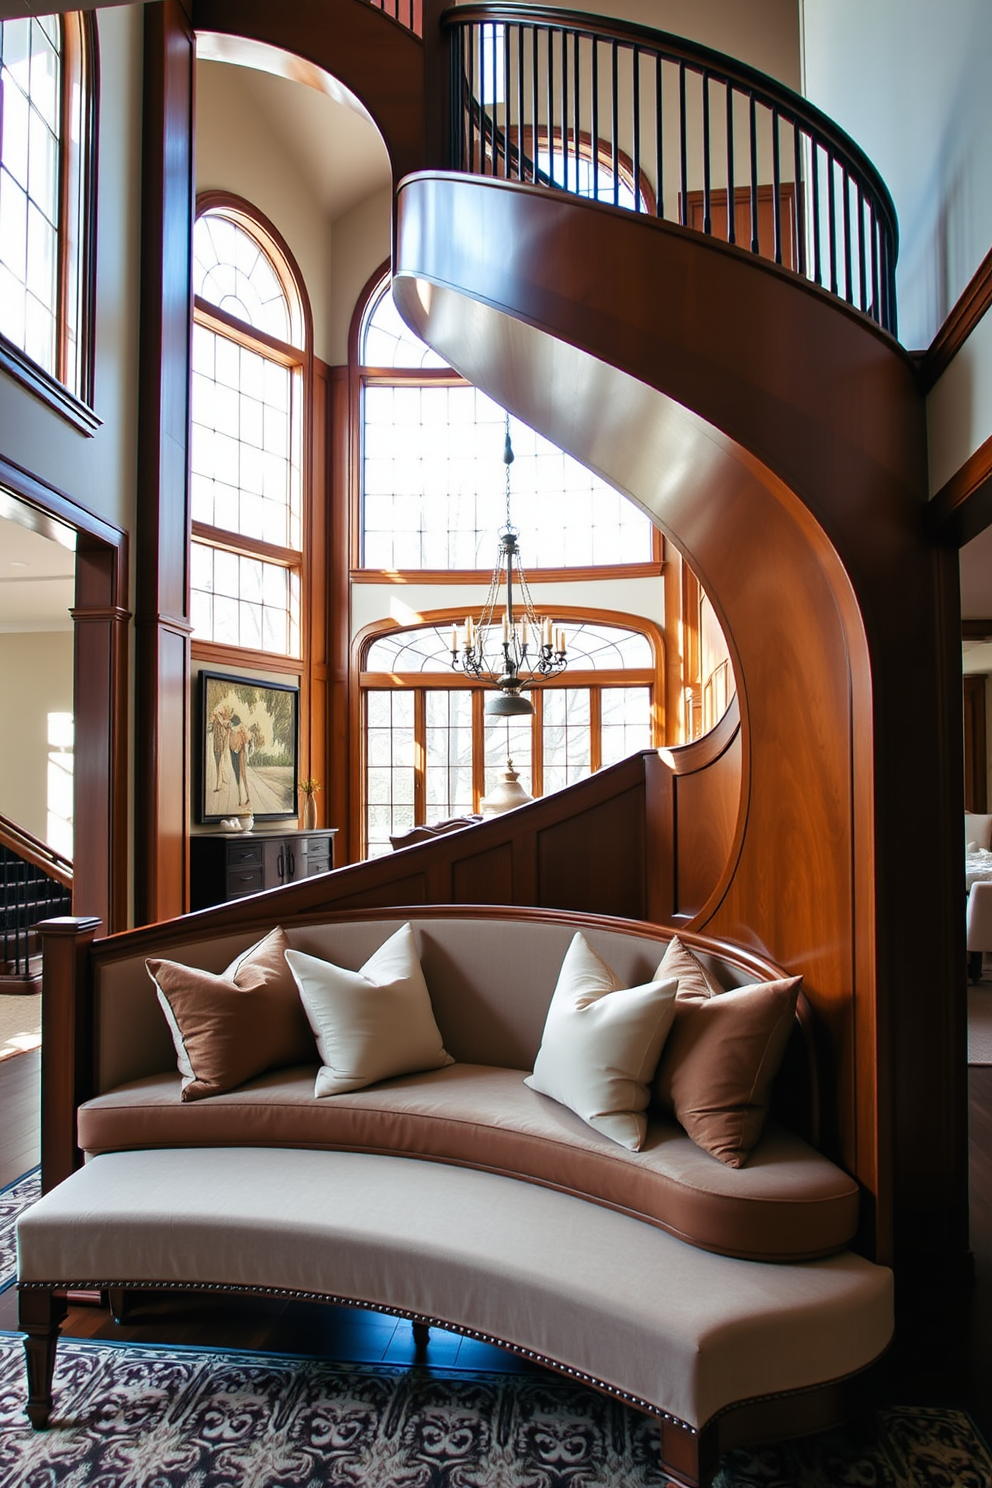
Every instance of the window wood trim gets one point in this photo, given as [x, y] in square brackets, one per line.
[234, 542]
[80, 64]
[241, 656]
[245, 335]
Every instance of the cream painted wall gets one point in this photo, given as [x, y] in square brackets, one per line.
[959, 407]
[236, 151]
[909, 80]
[99, 472]
[360, 241]
[37, 677]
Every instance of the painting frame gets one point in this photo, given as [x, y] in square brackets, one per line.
[263, 718]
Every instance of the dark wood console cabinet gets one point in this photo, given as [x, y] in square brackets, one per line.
[228, 865]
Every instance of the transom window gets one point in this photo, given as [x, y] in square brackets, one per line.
[246, 438]
[432, 473]
[431, 752]
[45, 188]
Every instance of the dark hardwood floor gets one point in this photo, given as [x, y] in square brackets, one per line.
[943, 1356]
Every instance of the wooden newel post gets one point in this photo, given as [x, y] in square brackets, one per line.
[66, 1040]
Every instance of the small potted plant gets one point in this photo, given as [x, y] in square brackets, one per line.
[308, 790]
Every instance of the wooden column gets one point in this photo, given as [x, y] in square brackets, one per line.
[162, 684]
[339, 748]
[65, 1047]
[100, 715]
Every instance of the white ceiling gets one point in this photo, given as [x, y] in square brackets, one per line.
[37, 580]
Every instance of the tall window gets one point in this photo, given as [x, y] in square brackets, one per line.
[249, 353]
[47, 66]
[431, 752]
[432, 474]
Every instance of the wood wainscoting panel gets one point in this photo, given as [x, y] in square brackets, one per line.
[594, 860]
[484, 878]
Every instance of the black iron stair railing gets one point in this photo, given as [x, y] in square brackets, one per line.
[35, 884]
[635, 118]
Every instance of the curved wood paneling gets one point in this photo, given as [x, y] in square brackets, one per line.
[779, 440]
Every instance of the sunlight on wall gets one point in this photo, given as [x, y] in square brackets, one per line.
[60, 771]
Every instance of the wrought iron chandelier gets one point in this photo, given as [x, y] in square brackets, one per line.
[509, 651]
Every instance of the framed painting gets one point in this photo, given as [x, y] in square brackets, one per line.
[249, 750]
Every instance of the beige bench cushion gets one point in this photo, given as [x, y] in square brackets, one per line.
[788, 1203]
[684, 1331]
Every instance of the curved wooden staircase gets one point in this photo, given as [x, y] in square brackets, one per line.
[766, 418]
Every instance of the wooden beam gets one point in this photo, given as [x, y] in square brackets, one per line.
[962, 508]
[162, 679]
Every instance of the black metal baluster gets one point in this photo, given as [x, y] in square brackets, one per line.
[614, 143]
[493, 132]
[564, 107]
[470, 73]
[683, 161]
[577, 106]
[731, 182]
[862, 265]
[636, 104]
[659, 140]
[507, 112]
[753, 141]
[707, 216]
[798, 204]
[876, 308]
[520, 103]
[848, 260]
[594, 82]
[817, 266]
[832, 209]
[776, 187]
[536, 99]
[551, 103]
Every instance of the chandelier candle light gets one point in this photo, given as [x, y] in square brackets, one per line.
[509, 652]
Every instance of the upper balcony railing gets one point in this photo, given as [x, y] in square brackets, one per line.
[618, 113]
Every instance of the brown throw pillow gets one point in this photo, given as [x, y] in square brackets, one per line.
[722, 1055]
[229, 1028]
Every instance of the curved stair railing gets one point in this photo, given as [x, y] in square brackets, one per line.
[35, 884]
[618, 113]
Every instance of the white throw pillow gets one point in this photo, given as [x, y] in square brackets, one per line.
[601, 1045]
[371, 1024]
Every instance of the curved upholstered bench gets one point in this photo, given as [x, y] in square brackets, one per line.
[460, 1196]
[674, 1330]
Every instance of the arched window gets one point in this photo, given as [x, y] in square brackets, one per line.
[431, 752]
[432, 474]
[47, 88]
[246, 464]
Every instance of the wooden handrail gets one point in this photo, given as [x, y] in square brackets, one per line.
[588, 90]
[36, 852]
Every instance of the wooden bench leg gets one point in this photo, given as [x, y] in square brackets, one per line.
[119, 1303]
[39, 1315]
[421, 1337]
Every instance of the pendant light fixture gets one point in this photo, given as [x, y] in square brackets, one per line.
[510, 648]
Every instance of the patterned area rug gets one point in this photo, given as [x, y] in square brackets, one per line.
[131, 1416]
[13, 1199]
